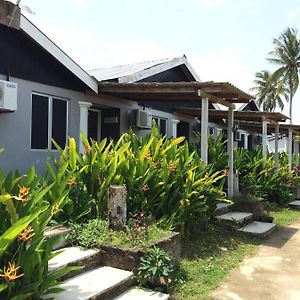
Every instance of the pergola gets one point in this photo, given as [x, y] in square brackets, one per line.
[257, 121]
[187, 94]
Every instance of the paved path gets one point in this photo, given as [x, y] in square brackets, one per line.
[272, 273]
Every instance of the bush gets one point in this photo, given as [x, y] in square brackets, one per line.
[27, 204]
[164, 179]
[155, 268]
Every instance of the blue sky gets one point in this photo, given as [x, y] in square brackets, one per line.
[224, 40]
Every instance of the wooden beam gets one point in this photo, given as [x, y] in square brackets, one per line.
[215, 99]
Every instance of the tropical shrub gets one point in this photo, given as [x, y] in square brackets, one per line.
[27, 204]
[164, 178]
[258, 177]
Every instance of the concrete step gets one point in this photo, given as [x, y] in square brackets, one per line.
[101, 283]
[136, 293]
[235, 218]
[261, 229]
[74, 256]
[222, 208]
[60, 233]
[295, 204]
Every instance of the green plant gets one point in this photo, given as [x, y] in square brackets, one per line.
[96, 233]
[164, 179]
[155, 268]
[24, 252]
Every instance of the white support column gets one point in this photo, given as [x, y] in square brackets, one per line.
[276, 155]
[83, 121]
[204, 130]
[230, 151]
[290, 148]
[174, 128]
[246, 141]
[264, 139]
[297, 151]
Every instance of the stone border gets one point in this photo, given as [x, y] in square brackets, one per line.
[128, 259]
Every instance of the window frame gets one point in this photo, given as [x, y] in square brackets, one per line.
[159, 120]
[50, 119]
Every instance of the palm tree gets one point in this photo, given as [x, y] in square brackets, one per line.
[286, 55]
[269, 92]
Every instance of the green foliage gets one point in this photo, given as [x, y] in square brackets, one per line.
[96, 232]
[164, 179]
[155, 268]
[26, 207]
[258, 178]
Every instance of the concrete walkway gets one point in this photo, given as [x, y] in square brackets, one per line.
[272, 273]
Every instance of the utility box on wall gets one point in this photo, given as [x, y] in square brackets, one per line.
[8, 96]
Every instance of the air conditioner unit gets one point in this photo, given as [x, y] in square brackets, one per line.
[8, 96]
[143, 119]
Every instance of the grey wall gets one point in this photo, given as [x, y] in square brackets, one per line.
[15, 126]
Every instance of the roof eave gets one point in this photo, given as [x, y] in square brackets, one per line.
[40, 38]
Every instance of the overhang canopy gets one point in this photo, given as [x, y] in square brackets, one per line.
[254, 116]
[177, 92]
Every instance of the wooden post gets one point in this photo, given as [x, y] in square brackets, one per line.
[204, 129]
[117, 209]
[276, 155]
[230, 151]
[264, 139]
[290, 148]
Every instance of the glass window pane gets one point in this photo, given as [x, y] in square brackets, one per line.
[163, 126]
[39, 122]
[59, 122]
[93, 125]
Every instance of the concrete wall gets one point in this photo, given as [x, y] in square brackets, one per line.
[15, 127]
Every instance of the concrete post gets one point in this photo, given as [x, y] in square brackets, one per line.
[83, 120]
[117, 209]
[204, 130]
[230, 151]
[174, 128]
[290, 149]
[264, 139]
[276, 155]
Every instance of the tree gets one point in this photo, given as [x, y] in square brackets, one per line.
[286, 55]
[269, 91]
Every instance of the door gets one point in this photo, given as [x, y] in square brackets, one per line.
[94, 125]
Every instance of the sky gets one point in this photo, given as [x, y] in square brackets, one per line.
[224, 40]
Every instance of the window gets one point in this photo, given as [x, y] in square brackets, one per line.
[48, 121]
[162, 124]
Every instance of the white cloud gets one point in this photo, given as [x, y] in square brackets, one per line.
[292, 15]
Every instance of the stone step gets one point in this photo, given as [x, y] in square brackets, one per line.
[295, 204]
[261, 229]
[136, 293]
[101, 283]
[223, 208]
[74, 256]
[235, 218]
[60, 233]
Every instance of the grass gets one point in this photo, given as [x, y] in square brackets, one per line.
[284, 216]
[96, 233]
[209, 257]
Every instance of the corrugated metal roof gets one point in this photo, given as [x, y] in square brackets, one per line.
[115, 72]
